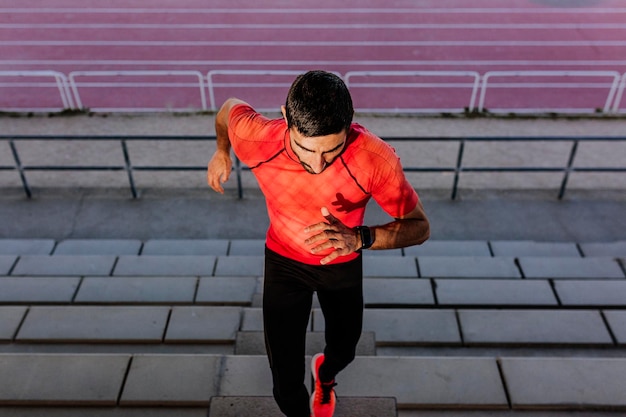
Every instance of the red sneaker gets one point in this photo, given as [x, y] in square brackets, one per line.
[323, 399]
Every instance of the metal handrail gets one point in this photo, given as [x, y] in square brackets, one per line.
[238, 168]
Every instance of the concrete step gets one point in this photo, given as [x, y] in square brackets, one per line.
[212, 325]
[78, 411]
[266, 407]
[129, 325]
[253, 343]
[255, 247]
[197, 257]
[374, 266]
[204, 412]
[540, 383]
[246, 291]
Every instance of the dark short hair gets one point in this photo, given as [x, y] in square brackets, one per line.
[319, 104]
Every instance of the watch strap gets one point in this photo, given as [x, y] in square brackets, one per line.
[367, 239]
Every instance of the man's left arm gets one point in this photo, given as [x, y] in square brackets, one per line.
[410, 229]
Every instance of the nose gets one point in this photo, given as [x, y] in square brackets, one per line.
[318, 164]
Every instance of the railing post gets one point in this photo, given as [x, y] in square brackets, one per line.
[129, 168]
[568, 168]
[20, 168]
[238, 174]
[458, 169]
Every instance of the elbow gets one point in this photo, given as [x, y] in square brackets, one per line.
[424, 232]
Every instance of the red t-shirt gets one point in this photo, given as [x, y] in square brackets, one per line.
[368, 167]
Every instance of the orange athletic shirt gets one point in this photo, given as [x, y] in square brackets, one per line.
[368, 167]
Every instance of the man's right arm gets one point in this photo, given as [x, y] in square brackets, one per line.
[221, 163]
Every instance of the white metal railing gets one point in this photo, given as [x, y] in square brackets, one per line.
[474, 86]
[211, 84]
[61, 83]
[479, 86]
[79, 103]
[612, 90]
[619, 95]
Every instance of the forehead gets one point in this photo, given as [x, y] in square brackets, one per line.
[319, 143]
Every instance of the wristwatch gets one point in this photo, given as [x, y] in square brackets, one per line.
[367, 240]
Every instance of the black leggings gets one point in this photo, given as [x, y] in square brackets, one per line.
[287, 299]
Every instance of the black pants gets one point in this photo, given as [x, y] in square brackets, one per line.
[287, 299]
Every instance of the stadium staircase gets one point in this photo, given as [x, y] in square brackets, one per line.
[161, 327]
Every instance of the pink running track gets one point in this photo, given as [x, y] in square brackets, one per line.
[427, 55]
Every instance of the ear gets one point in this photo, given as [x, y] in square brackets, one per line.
[283, 110]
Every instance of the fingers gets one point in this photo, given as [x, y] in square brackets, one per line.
[218, 172]
[328, 231]
[215, 182]
[210, 179]
[332, 234]
[328, 237]
[337, 245]
[340, 249]
[218, 188]
[224, 177]
[329, 258]
[328, 216]
[317, 227]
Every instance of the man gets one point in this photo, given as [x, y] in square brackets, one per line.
[317, 171]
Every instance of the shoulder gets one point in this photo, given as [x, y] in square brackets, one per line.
[241, 111]
[246, 123]
[366, 147]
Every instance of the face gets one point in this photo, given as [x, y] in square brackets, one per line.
[318, 152]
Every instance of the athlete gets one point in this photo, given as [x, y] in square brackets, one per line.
[317, 171]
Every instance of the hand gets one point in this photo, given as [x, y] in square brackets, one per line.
[219, 170]
[333, 234]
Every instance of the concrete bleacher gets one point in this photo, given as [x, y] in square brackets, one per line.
[111, 306]
[124, 325]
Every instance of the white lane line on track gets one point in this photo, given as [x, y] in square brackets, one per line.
[418, 10]
[335, 26]
[250, 43]
[282, 63]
